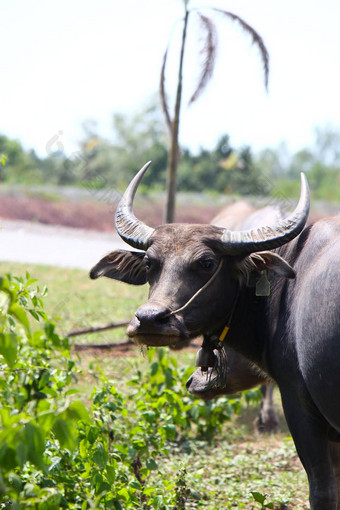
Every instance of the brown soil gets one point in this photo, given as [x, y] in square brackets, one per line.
[98, 215]
[89, 214]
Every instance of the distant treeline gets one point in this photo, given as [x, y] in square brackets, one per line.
[103, 163]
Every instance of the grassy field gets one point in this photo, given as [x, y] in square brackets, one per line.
[221, 474]
[76, 302]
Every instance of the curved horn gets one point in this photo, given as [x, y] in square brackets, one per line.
[131, 230]
[270, 237]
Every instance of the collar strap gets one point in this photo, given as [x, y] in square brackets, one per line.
[224, 333]
[226, 328]
[214, 341]
[206, 357]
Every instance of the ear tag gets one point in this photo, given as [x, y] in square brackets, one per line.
[263, 285]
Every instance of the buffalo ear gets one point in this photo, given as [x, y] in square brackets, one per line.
[122, 265]
[272, 262]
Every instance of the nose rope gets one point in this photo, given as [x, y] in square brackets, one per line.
[199, 290]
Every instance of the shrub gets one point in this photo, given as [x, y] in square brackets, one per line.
[57, 453]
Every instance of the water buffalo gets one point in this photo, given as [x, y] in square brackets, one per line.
[240, 373]
[272, 293]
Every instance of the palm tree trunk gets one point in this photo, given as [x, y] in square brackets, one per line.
[173, 157]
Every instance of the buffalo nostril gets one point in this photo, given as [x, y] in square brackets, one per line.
[163, 319]
[152, 315]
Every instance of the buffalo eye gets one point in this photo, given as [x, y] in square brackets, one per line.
[150, 263]
[207, 264]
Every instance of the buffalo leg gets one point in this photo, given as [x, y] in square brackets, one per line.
[335, 455]
[310, 434]
[266, 420]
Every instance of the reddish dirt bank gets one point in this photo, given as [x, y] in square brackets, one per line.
[90, 214]
[98, 215]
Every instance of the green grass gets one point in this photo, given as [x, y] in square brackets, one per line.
[219, 475]
[224, 475]
[76, 302]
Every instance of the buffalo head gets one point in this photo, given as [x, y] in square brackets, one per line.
[195, 272]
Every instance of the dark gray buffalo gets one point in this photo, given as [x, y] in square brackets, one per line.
[238, 372]
[205, 279]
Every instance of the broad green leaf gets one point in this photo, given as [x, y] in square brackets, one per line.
[138, 443]
[100, 456]
[72, 391]
[35, 440]
[42, 315]
[43, 379]
[51, 392]
[170, 431]
[83, 448]
[65, 432]
[9, 347]
[7, 458]
[151, 464]
[20, 314]
[92, 434]
[111, 474]
[77, 411]
[30, 281]
[47, 420]
[158, 502]
[52, 501]
[135, 485]
[4, 284]
[22, 453]
[34, 314]
[259, 498]
[15, 482]
[154, 368]
[124, 493]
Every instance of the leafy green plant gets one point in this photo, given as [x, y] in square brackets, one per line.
[163, 387]
[113, 453]
[35, 404]
[53, 451]
[261, 498]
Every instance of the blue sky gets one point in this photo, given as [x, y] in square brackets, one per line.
[67, 61]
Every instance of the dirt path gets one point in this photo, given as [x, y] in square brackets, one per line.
[23, 241]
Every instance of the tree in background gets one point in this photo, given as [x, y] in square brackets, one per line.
[223, 169]
[21, 166]
[109, 165]
[320, 162]
[208, 53]
[103, 162]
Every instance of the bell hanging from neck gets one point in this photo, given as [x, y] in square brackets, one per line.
[205, 358]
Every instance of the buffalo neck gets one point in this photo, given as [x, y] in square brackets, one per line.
[259, 320]
[243, 334]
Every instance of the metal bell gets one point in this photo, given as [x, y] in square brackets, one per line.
[205, 358]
